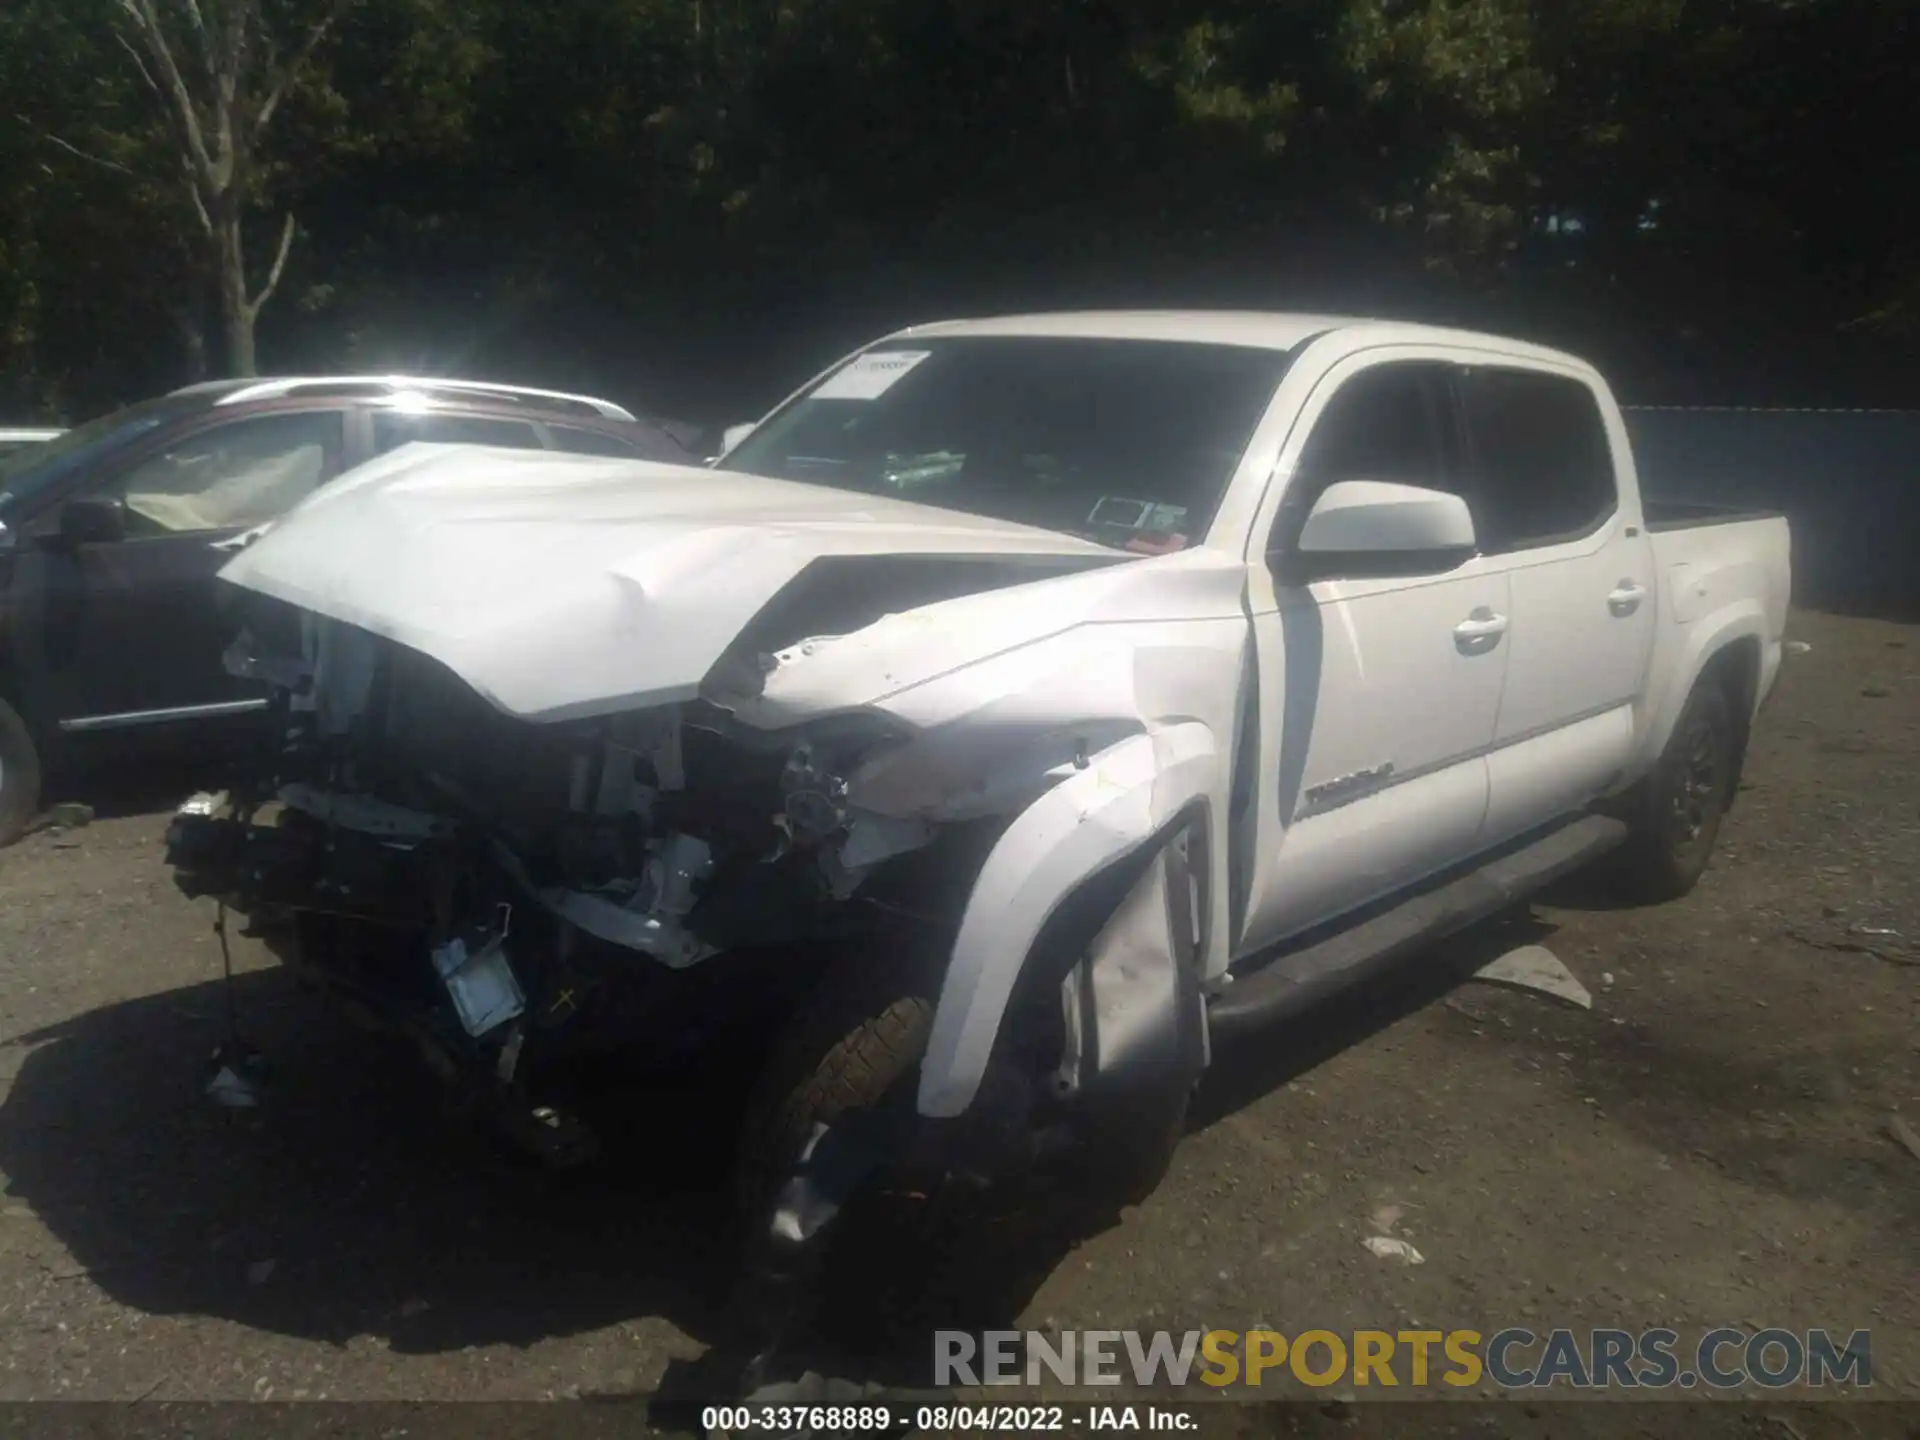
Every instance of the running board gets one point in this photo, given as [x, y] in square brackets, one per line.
[1299, 977]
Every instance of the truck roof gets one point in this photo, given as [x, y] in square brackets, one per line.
[1260, 329]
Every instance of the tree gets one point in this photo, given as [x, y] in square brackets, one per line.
[685, 192]
[96, 251]
[219, 73]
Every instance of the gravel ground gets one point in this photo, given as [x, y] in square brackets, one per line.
[1707, 1146]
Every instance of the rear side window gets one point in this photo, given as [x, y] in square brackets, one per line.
[391, 430]
[588, 442]
[1542, 470]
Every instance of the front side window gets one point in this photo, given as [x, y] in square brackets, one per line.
[1542, 468]
[230, 476]
[1386, 423]
[1127, 442]
[1390, 423]
[33, 470]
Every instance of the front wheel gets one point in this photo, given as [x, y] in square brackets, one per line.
[19, 775]
[1675, 813]
[856, 1044]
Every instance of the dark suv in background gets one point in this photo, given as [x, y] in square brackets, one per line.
[111, 535]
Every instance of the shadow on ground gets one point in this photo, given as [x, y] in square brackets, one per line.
[350, 1205]
[140, 781]
[1245, 1073]
[377, 1217]
[376, 1220]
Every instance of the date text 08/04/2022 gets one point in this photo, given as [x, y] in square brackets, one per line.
[936, 1419]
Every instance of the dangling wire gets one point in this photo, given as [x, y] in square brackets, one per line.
[226, 967]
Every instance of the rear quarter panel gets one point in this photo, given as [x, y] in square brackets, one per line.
[1719, 585]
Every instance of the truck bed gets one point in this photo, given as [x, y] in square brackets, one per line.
[1712, 556]
[1665, 515]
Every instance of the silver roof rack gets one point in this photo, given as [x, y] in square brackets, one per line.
[426, 385]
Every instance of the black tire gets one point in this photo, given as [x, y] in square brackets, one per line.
[19, 775]
[1675, 813]
[860, 1037]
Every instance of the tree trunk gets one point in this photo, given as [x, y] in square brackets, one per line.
[194, 337]
[217, 134]
[189, 318]
[236, 310]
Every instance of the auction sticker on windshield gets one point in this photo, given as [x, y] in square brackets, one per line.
[869, 376]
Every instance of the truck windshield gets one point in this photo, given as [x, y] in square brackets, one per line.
[1127, 442]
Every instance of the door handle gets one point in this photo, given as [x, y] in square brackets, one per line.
[1479, 631]
[1625, 598]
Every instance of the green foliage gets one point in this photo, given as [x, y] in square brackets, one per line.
[561, 185]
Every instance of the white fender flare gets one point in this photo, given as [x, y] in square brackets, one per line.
[1745, 621]
[1093, 818]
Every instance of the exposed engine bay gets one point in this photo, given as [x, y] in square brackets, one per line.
[564, 882]
[651, 882]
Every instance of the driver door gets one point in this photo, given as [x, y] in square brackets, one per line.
[133, 628]
[1378, 694]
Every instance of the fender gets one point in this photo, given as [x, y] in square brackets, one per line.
[1696, 648]
[1136, 1038]
[1125, 796]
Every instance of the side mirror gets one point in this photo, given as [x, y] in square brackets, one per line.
[734, 434]
[93, 520]
[1375, 527]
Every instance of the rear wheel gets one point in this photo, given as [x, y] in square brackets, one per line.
[1675, 813]
[19, 775]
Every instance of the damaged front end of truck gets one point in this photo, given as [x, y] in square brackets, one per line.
[978, 793]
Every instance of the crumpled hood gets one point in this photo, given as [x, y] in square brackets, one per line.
[564, 586]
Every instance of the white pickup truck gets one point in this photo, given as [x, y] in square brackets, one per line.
[1019, 710]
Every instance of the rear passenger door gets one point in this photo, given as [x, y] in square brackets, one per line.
[1547, 504]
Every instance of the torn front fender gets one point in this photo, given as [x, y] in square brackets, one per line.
[1135, 1014]
[1128, 793]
